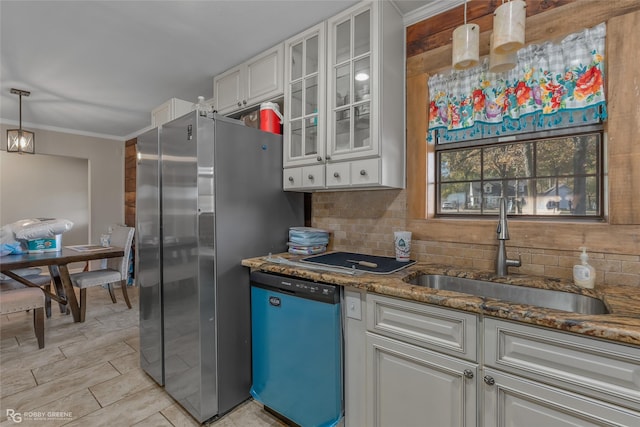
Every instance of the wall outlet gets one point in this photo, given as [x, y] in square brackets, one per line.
[354, 306]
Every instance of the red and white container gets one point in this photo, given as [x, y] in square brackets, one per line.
[270, 118]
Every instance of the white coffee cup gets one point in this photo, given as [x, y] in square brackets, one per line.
[402, 241]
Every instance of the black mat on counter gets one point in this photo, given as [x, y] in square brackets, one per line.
[385, 265]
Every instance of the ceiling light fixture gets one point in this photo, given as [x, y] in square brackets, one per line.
[361, 77]
[20, 140]
[508, 26]
[466, 44]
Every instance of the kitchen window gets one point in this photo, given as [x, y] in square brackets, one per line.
[532, 135]
[555, 175]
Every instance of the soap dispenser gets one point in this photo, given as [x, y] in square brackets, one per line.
[584, 274]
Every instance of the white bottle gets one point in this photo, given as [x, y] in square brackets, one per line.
[584, 274]
[201, 106]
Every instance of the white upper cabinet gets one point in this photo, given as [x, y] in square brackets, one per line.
[304, 136]
[170, 110]
[358, 131]
[246, 85]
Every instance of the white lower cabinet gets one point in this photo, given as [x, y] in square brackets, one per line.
[430, 366]
[410, 386]
[407, 382]
[515, 401]
[540, 377]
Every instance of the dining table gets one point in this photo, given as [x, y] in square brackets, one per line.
[58, 265]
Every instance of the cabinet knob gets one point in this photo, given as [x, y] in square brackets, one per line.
[290, 179]
[336, 175]
[244, 101]
[328, 157]
[489, 380]
[239, 104]
[319, 158]
[468, 373]
[310, 177]
[363, 172]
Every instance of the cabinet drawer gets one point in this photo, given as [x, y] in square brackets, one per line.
[605, 370]
[443, 330]
[365, 172]
[313, 176]
[303, 178]
[338, 174]
[292, 178]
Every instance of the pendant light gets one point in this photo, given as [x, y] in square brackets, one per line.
[499, 63]
[508, 26]
[466, 44]
[20, 140]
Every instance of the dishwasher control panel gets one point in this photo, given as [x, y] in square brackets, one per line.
[291, 285]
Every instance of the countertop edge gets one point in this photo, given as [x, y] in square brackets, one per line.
[622, 326]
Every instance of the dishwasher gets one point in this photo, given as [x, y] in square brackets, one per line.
[297, 349]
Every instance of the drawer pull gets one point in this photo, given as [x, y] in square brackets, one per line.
[468, 373]
[290, 179]
[363, 172]
[489, 380]
[310, 177]
[336, 175]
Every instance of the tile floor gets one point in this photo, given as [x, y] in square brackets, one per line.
[89, 373]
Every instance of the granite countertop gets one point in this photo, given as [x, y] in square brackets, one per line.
[621, 325]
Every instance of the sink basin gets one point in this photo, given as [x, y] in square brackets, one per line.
[547, 298]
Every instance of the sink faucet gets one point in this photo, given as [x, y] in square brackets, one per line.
[502, 262]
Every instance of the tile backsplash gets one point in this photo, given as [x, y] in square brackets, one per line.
[364, 221]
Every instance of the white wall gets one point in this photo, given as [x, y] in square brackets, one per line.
[105, 174]
[25, 186]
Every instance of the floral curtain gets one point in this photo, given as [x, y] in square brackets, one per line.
[552, 85]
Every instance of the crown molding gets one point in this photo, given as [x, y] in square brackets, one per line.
[430, 9]
[30, 126]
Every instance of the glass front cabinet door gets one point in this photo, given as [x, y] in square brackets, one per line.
[352, 85]
[344, 119]
[304, 140]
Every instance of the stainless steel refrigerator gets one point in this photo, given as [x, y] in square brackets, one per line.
[219, 199]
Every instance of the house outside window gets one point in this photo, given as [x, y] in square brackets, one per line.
[550, 174]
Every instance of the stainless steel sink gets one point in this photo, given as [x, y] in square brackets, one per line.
[547, 298]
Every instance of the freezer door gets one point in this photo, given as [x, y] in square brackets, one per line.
[148, 255]
[190, 374]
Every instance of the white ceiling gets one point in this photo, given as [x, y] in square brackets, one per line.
[100, 67]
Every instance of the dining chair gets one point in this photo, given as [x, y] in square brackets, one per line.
[25, 299]
[33, 275]
[116, 271]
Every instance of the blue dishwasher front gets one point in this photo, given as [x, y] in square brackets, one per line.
[297, 349]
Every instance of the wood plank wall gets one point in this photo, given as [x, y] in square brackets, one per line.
[429, 52]
[436, 32]
[130, 182]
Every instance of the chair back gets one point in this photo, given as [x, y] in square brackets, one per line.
[121, 237]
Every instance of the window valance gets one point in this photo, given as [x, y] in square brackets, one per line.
[552, 85]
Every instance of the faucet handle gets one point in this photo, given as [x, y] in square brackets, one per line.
[515, 262]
